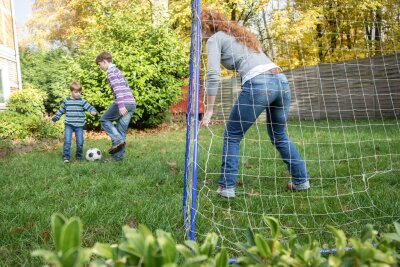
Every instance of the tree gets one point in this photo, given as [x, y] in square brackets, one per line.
[299, 33]
[66, 22]
[242, 11]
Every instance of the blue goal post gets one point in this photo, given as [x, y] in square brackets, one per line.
[189, 216]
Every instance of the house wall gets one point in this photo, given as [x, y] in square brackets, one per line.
[10, 74]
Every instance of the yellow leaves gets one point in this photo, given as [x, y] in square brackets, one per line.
[296, 32]
[66, 21]
[370, 4]
[290, 26]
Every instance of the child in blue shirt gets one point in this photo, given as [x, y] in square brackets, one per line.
[74, 108]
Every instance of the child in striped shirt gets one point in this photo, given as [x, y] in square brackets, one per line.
[74, 109]
[120, 111]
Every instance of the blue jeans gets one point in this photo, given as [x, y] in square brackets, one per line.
[69, 129]
[116, 132]
[269, 92]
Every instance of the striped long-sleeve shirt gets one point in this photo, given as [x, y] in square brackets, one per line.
[74, 110]
[120, 89]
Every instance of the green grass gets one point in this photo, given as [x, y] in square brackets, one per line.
[354, 170]
[147, 187]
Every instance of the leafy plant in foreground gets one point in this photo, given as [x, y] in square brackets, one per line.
[140, 247]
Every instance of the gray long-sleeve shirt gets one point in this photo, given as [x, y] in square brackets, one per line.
[226, 50]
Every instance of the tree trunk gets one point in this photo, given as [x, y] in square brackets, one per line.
[159, 11]
[378, 32]
[269, 48]
[320, 44]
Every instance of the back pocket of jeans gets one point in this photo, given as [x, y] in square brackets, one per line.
[265, 88]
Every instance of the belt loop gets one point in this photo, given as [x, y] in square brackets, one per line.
[276, 70]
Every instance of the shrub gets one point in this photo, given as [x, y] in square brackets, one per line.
[50, 71]
[14, 125]
[27, 102]
[45, 129]
[140, 247]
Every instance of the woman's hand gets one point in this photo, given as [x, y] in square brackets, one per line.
[209, 111]
[207, 118]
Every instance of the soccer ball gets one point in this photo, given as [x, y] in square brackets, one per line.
[93, 154]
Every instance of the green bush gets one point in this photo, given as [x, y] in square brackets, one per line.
[45, 129]
[50, 71]
[152, 59]
[27, 102]
[140, 247]
[14, 125]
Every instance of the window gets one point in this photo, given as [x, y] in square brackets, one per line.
[2, 98]
[4, 85]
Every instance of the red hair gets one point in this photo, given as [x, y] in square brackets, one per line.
[212, 22]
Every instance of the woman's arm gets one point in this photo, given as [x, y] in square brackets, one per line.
[212, 77]
[209, 110]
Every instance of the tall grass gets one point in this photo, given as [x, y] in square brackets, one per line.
[146, 187]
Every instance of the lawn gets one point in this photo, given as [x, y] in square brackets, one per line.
[354, 170]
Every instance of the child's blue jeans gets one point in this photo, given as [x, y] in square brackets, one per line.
[270, 93]
[116, 132]
[69, 129]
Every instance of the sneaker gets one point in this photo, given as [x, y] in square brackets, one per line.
[299, 187]
[66, 160]
[116, 148]
[226, 192]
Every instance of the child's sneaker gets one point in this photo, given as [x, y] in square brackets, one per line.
[116, 148]
[298, 187]
[66, 160]
[226, 192]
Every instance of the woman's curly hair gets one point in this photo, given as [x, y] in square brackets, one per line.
[213, 21]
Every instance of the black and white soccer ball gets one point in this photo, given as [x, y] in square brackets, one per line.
[93, 154]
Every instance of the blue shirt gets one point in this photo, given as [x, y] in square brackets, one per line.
[74, 110]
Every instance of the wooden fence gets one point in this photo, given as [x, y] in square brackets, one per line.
[356, 89]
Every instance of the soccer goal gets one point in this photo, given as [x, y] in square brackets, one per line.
[343, 66]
